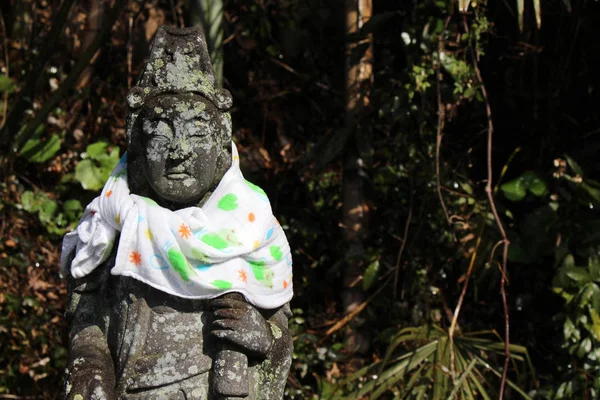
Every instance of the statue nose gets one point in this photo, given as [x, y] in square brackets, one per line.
[179, 148]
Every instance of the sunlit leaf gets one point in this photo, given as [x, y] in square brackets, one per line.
[370, 275]
[577, 274]
[97, 149]
[47, 211]
[93, 171]
[462, 379]
[574, 166]
[28, 201]
[534, 184]
[595, 323]
[593, 192]
[38, 149]
[426, 370]
[514, 190]
[7, 85]
[72, 209]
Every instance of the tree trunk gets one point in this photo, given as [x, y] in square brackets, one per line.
[359, 81]
[94, 10]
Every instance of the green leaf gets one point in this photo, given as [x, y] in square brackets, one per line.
[514, 190]
[7, 85]
[370, 275]
[28, 201]
[568, 261]
[36, 150]
[93, 172]
[595, 328]
[72, 209]
[466, 187]
[594, 269]
[574, 166]
[89, 175]
[596, 298]
[469, 92]
[584, 347]
[47, 211]
[97, 149]
[534, 184]
[593, 192]
[578, 274]
[587, 292]
[568, 328]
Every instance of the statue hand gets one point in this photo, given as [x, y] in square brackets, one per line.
[241, 324]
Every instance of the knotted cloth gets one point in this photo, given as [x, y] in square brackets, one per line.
[233, 243]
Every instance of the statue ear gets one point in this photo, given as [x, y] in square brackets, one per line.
[223, 99]
[225, 153]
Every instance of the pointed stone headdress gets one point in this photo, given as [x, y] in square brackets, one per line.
[179, 62]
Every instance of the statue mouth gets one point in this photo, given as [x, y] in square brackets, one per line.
[177, 176]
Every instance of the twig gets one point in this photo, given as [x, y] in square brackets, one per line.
[454, 192]
[341, 323]
[440, 132]
[489, 191]
[403, 241]
[302, 76]
[229, 38]
[463, 293]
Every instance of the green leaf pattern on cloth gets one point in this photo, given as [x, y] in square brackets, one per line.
[262, 273]
[256, 188]
[228, 202]
[232, 243]
[276, 252]
[222, 239]
[221, 284]
[215, 240]
[179, 263]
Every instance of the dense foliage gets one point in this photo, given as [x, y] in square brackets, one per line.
[462, 91]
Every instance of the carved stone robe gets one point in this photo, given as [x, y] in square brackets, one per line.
[130, 341]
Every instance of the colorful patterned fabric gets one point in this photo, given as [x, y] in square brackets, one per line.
[231, 244]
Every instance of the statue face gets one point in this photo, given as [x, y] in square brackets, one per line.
[181, 137]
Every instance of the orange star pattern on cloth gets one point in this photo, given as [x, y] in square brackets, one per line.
[230, 244]
[185, 231]
[135, 258]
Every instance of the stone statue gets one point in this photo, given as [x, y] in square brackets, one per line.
[179, 275]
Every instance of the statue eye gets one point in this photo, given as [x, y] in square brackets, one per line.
[158, 129]
[198, 128]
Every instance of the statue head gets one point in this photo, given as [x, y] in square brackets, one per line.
[178, 126]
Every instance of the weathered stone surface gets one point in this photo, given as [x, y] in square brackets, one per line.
[131, 341]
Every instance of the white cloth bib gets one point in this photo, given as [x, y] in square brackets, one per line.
[231, 244]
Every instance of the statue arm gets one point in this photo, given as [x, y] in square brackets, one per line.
[272, 373]
[90, 370]
[282, 340]
[257, 332]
